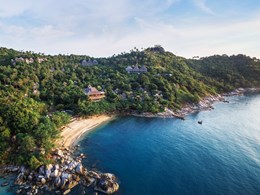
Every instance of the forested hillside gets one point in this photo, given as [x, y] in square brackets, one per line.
[39, 93]
[231, 71]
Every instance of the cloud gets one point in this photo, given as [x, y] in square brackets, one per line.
[13, 8]
[202, 5]
[104, 28]
[189, 40]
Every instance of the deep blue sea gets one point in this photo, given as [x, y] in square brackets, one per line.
[155, 156]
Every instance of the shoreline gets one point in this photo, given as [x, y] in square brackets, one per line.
[73, 131]
[204, 104]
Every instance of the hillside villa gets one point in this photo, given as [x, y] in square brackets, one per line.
[93, 94]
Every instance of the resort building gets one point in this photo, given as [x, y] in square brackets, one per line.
[93, 94]
[40, 60]
[136, 69]
[89, 62]
[19, 59]
[28, 60]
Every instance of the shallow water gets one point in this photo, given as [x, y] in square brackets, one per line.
[171, 156]
[6, 189]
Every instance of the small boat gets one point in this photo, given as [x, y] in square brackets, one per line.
[200, 122]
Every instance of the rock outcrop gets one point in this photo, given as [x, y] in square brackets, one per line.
[60, 177]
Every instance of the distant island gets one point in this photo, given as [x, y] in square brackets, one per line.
[39, 93]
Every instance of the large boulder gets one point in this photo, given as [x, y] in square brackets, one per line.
[66, 192]
[42, 170]
[94, 174]
[109, 176]
[49, 167]
[30, 177]
[56, 167]
[65, 177]
[65, 167]
[107, 183]
[43, 181]
[48, 174]
[79, 169]
[72, 184]
[22, 169]
[88, 181]
[55, 173]
[48, 170]
[72, 165]
[15, 169]
[59, 153]
[57, 182]
[20, 179]
[107, 187]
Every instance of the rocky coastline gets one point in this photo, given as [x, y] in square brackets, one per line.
[61, 176]
[204, 104]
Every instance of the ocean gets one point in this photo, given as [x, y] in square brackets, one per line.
[157, 156]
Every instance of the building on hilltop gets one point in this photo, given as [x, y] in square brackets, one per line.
[136, 69]
[93, 94]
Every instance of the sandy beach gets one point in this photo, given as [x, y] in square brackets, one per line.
[74, 130]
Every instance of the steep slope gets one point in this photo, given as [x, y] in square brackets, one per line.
[231, 71]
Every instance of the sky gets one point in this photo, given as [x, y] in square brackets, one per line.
[101, 28]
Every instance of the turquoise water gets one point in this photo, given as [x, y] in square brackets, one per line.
[5, 190]
[171, 156]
